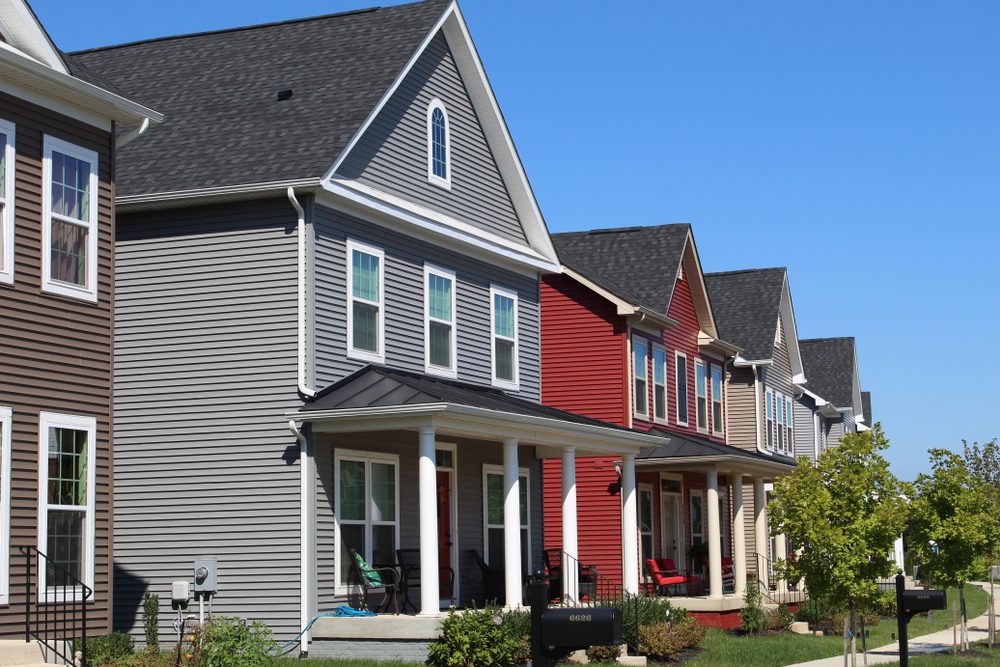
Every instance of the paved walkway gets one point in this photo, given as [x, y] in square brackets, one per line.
[936, 642]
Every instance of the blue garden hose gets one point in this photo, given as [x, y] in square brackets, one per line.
[341, 611]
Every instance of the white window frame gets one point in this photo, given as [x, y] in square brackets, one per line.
[779, 421]
[644, 413]
[452, 370]
[353, 352]
[697, 493]
[648, 489]
[6, 419]
[789, 424]
[88, 293]
[431, 176]
[367, 458]
[717, 428]
[47, 420]
[503, 383]
[8, 201]
[700, 363]
[524, 476]
[769, 419]
[661, 419]
[687, 390]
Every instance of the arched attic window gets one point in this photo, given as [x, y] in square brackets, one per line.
[438, 144]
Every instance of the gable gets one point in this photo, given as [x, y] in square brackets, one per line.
[20, 28]
[391, 155]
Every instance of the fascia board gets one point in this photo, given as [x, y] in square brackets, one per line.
[741, 362]
[738, 463]
[791, 329]
[178, 198]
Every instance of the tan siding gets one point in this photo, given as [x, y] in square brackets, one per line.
[55, 352]
[740, 393]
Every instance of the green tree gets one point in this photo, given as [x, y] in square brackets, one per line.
[843, 516]
[983, 461]
[954, 528]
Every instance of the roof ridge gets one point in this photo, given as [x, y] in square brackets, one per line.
[738, 271]
[826, 339]
[624, 230]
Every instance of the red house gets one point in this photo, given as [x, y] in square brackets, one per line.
[628, 336]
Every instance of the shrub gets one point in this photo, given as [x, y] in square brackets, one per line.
[151, 620]
[604, 653]
[778, 619]
[475, 638]
[108, 648]
[648, 610]
[232, 642]
[665, 640]
[145, 658]
[813, 612]
[752, 619]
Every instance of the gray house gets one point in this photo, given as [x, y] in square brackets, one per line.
[830, 405]
[327, 332]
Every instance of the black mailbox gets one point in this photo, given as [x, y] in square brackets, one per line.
[581, 627]
[915, 601]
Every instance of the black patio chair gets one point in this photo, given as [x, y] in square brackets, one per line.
[587, 585]
[493, 580]
[409, 571]
[360, 586]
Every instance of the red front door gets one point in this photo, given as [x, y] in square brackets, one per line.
[444, 533]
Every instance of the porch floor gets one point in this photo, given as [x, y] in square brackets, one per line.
[727, 602]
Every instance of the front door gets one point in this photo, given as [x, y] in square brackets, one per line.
[671, 528]
[444, 534]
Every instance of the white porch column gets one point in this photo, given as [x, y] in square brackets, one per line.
[512, 524]
[739, 539]
[430, 594]
[714, 535]
[570, 544]
[897, 554]
[307, 531]
[781, 553]
[761, 538]
[630, 527]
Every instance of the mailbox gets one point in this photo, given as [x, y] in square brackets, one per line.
[581, 627]
[917, 601]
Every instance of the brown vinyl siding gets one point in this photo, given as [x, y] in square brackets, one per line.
[55, 351]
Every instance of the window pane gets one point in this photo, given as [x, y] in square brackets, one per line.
[365, 327]
[67, 467]
[444, 458]
[365, 282]
[659, 366]
[440, 344]
[383, 492]
[639, 363]
[64, 546]
[495, 554]
[523, 500]
[670, 485]
[640, 396]
[646, 543]
[682, 389]
[716, 383]
[383, 545]
[438, 144]
[645, 512]
[352, 490]
[696, 520]
[701, 379]
[351, 537]
[3, 166]
[503, 315]
[660, 401]
[494, 499]
[439, 297]
[70, 187]
[717, 416]
[69, 253]
[504, 350]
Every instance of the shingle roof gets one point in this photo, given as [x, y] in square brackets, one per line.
[637, 264]
[683, 445]
[224, 124]
[746, 306]
[829, 368]
[866, 405]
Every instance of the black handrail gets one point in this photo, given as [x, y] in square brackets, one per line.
[55, 622]
[771, 593]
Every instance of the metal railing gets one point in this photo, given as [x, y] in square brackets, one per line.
[56, 616]
[772, 591]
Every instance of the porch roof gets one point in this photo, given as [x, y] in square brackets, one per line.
[380, 398]
[681, 448]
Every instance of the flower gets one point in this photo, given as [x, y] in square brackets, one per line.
[497, 620]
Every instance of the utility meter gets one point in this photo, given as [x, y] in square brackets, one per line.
[179, 594]
[206, 571]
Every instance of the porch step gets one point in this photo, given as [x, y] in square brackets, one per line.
[19, 653]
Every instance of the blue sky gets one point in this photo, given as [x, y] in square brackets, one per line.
[856, 143]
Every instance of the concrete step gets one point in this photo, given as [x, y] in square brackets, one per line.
[19, 653]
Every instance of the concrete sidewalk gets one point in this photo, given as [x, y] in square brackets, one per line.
[936, 642]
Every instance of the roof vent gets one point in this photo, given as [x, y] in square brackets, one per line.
[284, 94]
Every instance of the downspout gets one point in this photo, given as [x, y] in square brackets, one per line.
[132, 135]
[756, 410]
[817, 425]
[304, 390]
[306, 543]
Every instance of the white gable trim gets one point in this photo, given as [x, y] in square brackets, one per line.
[456, 33]
[22, 30]
[786, 313]
[691, 265]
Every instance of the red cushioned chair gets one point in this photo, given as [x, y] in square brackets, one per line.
[662, 580]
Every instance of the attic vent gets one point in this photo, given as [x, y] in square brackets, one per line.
[619, 230]
[284, 94]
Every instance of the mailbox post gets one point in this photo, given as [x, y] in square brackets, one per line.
[555, 631]
[909, 603]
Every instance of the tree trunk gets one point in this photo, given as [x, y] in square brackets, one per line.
[965, 620]
[854, 635]
[992, 617]
[847, 642]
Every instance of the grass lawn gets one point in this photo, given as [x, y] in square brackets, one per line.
[334, 662]
[979, 656]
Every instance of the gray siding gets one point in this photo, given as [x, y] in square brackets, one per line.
[392, 155]
[850, 426]
[205, 367]
[804, 427]
[404, 304]
[778, 375]
[835, 432]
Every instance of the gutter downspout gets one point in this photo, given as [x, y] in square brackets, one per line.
[132, 135]
[304, 390]
[306, 532]
[756, 410]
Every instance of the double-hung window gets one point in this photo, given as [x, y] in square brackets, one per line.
[367, 508]
[503, 333]
[365, 302]
[7, 160]
[5, 435]
[640, 372]
[69, 220]
[66, 497]
[788, 425]
[769, 408]
[701, 389]
[493, 490]
[659, 383]
[438, 145]
[717, 399]
[697, 517]
[439, 321]
[779, 417]
[681, 370]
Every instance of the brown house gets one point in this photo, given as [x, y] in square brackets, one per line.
[57, 145]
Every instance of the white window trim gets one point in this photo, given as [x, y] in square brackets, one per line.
[687, 390]
[700, 363]
[492, 469]
[47, 420]
[666, 386]
[431, 176]
[368, 458]
[7, 222]
[717, 428]
[88, 293]
[644, 413]
[500, 382]
[790, 424]
[450, 371]
[769, 419]
[697, 493]
[352, 352]
[646, 488]
[6, 417]
[779, 422]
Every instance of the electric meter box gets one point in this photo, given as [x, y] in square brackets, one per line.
[206, 575]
